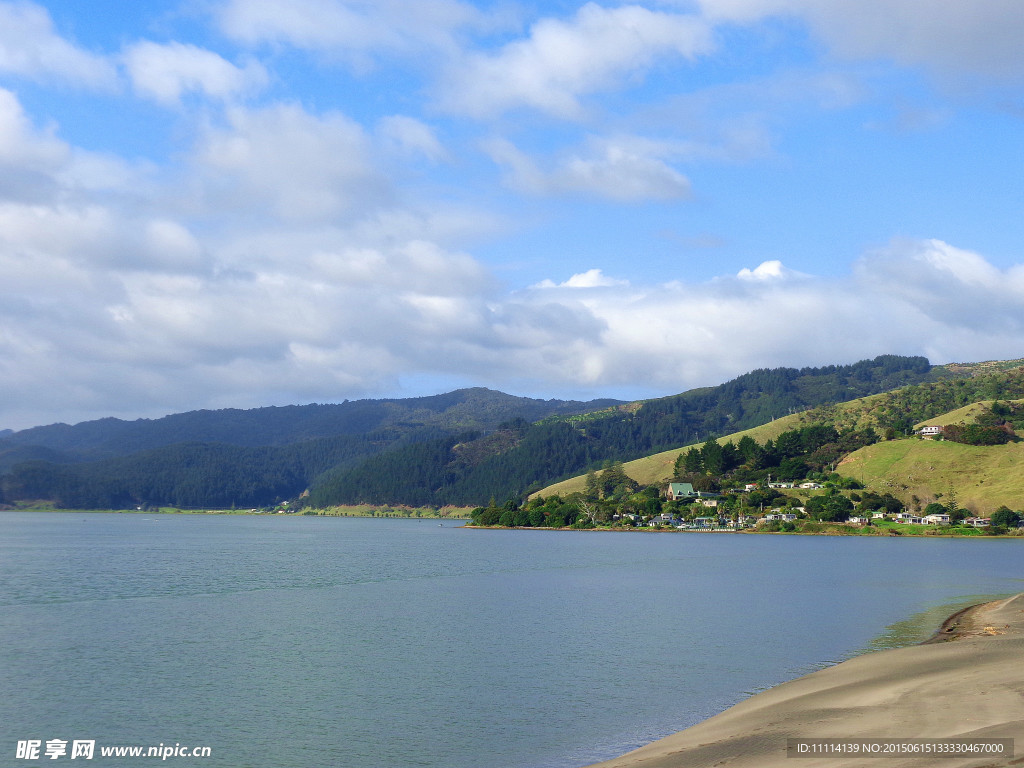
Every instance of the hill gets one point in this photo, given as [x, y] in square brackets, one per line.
[237, 457]
[462, 409]
[462, 448]
[527, 457]
[904, 468]
[658, 468]
[982, 478]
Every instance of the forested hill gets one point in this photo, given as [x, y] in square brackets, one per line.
[236, 457]
[463, 448]
[474, 408]
[525, 457]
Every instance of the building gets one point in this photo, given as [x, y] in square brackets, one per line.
[937, 519]
[677, 491]
[930, 431]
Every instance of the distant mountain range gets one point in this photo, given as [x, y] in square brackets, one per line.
[464, 447]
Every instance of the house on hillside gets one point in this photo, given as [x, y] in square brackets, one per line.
[677, 491]
[665, 518]
[930, 431]
[910, 520]
[937, 519]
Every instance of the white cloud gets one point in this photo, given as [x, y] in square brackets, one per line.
[409, 137]
[592, 278]
[37, 166]
[563, 60]
[21, 144]
[165, 72]
[30, 47]
[766, 270]
[622, 168]
[949, 37]
[284, 162]
[919, 297]
[353, 30]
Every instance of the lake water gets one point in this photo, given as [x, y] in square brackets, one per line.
[363, 643]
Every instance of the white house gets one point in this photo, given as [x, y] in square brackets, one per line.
[937, 519]
[978, 522]
[930, 431]
[811, 485]
[859, 520]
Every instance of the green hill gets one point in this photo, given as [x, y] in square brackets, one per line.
[984, 477]
[529, 457]
[657, 468]
[469, 446]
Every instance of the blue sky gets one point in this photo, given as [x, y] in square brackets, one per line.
[236, 203]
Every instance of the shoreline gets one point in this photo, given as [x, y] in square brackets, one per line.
[751, 532]
[965, 682]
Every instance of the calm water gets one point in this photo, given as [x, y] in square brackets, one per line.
[360, 643]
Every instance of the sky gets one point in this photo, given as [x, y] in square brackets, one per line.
[242, 203]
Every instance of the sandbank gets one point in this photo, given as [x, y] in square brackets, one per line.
[966, 682]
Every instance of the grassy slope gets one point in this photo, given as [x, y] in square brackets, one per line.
[966, 414]
[658, 467]
[984, 477]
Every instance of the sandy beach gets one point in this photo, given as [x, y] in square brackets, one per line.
[967, 682]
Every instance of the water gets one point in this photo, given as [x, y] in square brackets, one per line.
[362, 643]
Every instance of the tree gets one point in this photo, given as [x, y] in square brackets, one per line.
[1004, 517]
[693, 461]
[711, 454]
[748, 448]
[951, 505]
[830, 508]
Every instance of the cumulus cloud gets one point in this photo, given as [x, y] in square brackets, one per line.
[353, 30]
[623, 168]
[409, 137]
[592, 278]
[945, 36]
[30, 47]
[913, 297]
[165, 72]
[561, 61]
[105, 313]
[766, 270]
[287, 163]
